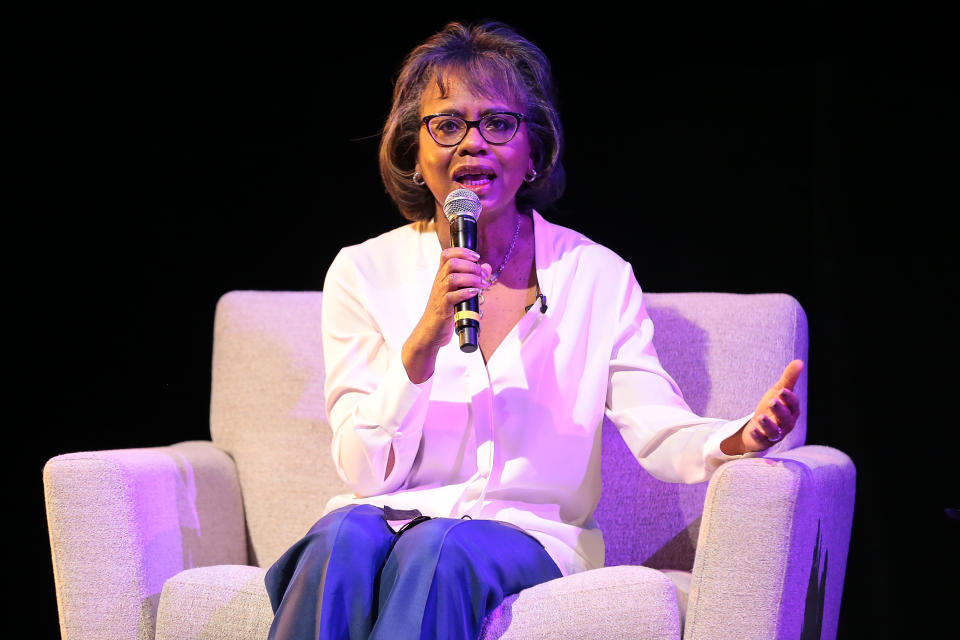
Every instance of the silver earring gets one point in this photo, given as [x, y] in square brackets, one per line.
[418, 179]
[531, 176]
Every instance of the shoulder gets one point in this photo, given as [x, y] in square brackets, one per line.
[380, 256]
[382, 248]
[569, 247]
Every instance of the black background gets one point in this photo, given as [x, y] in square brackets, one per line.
[170, 156]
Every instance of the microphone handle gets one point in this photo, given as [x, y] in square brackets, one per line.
[463, 233]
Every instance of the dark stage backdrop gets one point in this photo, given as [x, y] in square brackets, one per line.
[176, 156]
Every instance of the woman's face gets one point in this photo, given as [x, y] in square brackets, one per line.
[493, 171]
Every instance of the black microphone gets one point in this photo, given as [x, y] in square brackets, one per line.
[462, 208]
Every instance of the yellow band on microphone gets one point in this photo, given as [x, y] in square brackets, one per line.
[466, 315]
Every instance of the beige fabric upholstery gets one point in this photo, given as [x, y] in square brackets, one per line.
[682, 581]
[723, 348]
[618, 603]
[615, 603]
[215, 603]
[122, 522]
[267, 412]
[766, 529]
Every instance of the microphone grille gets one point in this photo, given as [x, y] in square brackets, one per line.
[461, 202]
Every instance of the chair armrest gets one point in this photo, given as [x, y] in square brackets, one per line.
[122, 522]
[773, 545]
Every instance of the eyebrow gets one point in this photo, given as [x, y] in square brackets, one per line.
[459, 114]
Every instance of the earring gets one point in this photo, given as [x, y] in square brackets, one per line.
[531, 175]
[418, 179]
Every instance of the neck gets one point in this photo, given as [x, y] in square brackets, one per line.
[495, 233]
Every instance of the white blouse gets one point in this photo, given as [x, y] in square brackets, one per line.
[518, 438]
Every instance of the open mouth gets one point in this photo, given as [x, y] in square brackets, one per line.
[474, 178]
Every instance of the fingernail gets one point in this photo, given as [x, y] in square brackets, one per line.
[473, 290]
[473, 254]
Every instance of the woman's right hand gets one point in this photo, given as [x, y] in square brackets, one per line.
[459, 278]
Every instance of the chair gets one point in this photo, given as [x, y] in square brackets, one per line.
[173, 542]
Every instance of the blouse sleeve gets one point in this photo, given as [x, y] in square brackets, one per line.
[667, 438]
[372, 405]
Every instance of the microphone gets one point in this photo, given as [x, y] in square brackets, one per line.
[462, 208]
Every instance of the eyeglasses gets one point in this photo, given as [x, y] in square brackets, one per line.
[496, 128]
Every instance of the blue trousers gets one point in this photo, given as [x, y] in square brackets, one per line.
[352, 577]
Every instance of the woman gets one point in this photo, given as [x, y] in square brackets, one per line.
[497, 449]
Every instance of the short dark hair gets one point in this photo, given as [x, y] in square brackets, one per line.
[497, 60]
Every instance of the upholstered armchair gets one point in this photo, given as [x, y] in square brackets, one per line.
[173, 542]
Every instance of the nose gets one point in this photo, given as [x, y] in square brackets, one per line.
[473, 143]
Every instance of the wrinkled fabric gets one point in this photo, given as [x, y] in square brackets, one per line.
[353, 577]
[515, 438]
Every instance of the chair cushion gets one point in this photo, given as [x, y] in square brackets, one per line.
[621, 602]
[683, 581]
[225, 602]
[230, 602]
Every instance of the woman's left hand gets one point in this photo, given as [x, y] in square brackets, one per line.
[775, 416]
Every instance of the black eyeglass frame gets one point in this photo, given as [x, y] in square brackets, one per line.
[470, 124]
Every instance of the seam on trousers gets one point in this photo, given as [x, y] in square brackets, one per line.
[326, 563]
[433, 575]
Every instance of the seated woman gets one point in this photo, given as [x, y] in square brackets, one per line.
[476, 474]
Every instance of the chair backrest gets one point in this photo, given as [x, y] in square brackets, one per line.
[267, 412]
[724, 350]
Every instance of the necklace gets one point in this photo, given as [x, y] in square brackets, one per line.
[496, 274]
